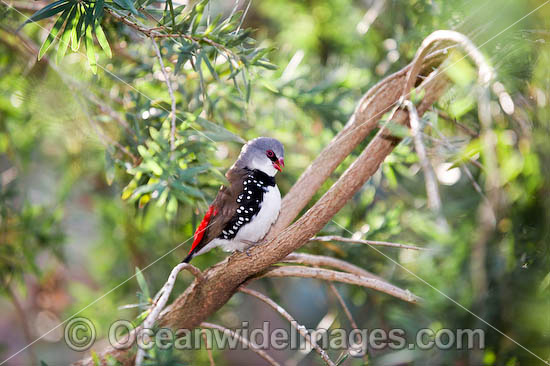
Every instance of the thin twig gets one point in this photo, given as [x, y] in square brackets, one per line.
[336, 293]
[153, 33]
[325, 261]
[160, 299]
[432, 189]
[300, 328]
[347, 312]
[172, 97]
[362, 241]
[243, 340]
[208, 350]
[23, 318]
[330, 275]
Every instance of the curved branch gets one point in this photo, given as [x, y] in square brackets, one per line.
[377, 101]
[336, 293]
[330, 275]
[243, 340]
[321, 260]
[300, 328]
[161, 298]
[486, 73]
[363, 241]
[432, 189]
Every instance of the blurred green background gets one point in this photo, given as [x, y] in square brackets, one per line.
[90, 189]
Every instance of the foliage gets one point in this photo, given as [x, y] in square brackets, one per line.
[89, 138]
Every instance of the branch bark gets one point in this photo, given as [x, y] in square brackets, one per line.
[221, 281]
[363, 241]
[321, 260]
[161, 298]
[336, 276]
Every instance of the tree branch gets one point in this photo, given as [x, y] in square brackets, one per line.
[330, 275]
[367, 242]
[161, 298]
[321, 260]
[300, 328]
[243, 340]
[154, 32]
[432, 189]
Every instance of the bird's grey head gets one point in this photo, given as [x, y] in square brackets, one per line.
[262, 153]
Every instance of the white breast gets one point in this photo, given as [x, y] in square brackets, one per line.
[261, 223]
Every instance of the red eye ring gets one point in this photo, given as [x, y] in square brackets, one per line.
[270, 153]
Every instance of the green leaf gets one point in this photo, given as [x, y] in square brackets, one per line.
[103, 41]
[47, 11]
[111, 361]
[190, 173]
[98, 10]
[90, 50]
[77, 31]
[95, 359]
[461, 106]
[211, 68]
[66, 36]
[142, 283]
[396, 129]
[217, 132]
[171, 207]
[140, 318]
[53, 33]
[128, 5]
[191, 191]
[148, 188]
[172, 13]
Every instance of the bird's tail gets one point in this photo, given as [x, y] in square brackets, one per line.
[188, 258]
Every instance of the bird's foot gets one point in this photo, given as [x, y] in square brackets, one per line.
[249, 243]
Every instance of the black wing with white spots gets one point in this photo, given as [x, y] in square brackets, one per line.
[249, 202]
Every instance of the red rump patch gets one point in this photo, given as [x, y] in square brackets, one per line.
[199, 233]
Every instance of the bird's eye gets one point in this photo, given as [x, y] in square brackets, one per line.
[270, 153]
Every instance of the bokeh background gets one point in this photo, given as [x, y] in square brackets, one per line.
[81, 206]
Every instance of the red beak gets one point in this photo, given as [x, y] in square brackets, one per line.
[279, 164]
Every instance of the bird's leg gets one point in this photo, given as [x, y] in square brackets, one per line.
[249, 244]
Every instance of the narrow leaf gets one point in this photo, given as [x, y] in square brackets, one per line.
[98, 10]
[47, 11]
[142, 283]
[65, 38]
[128, 5]
[103, 41]
[211, 68]
[53, 33]
[77, 31]
[90, 50]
